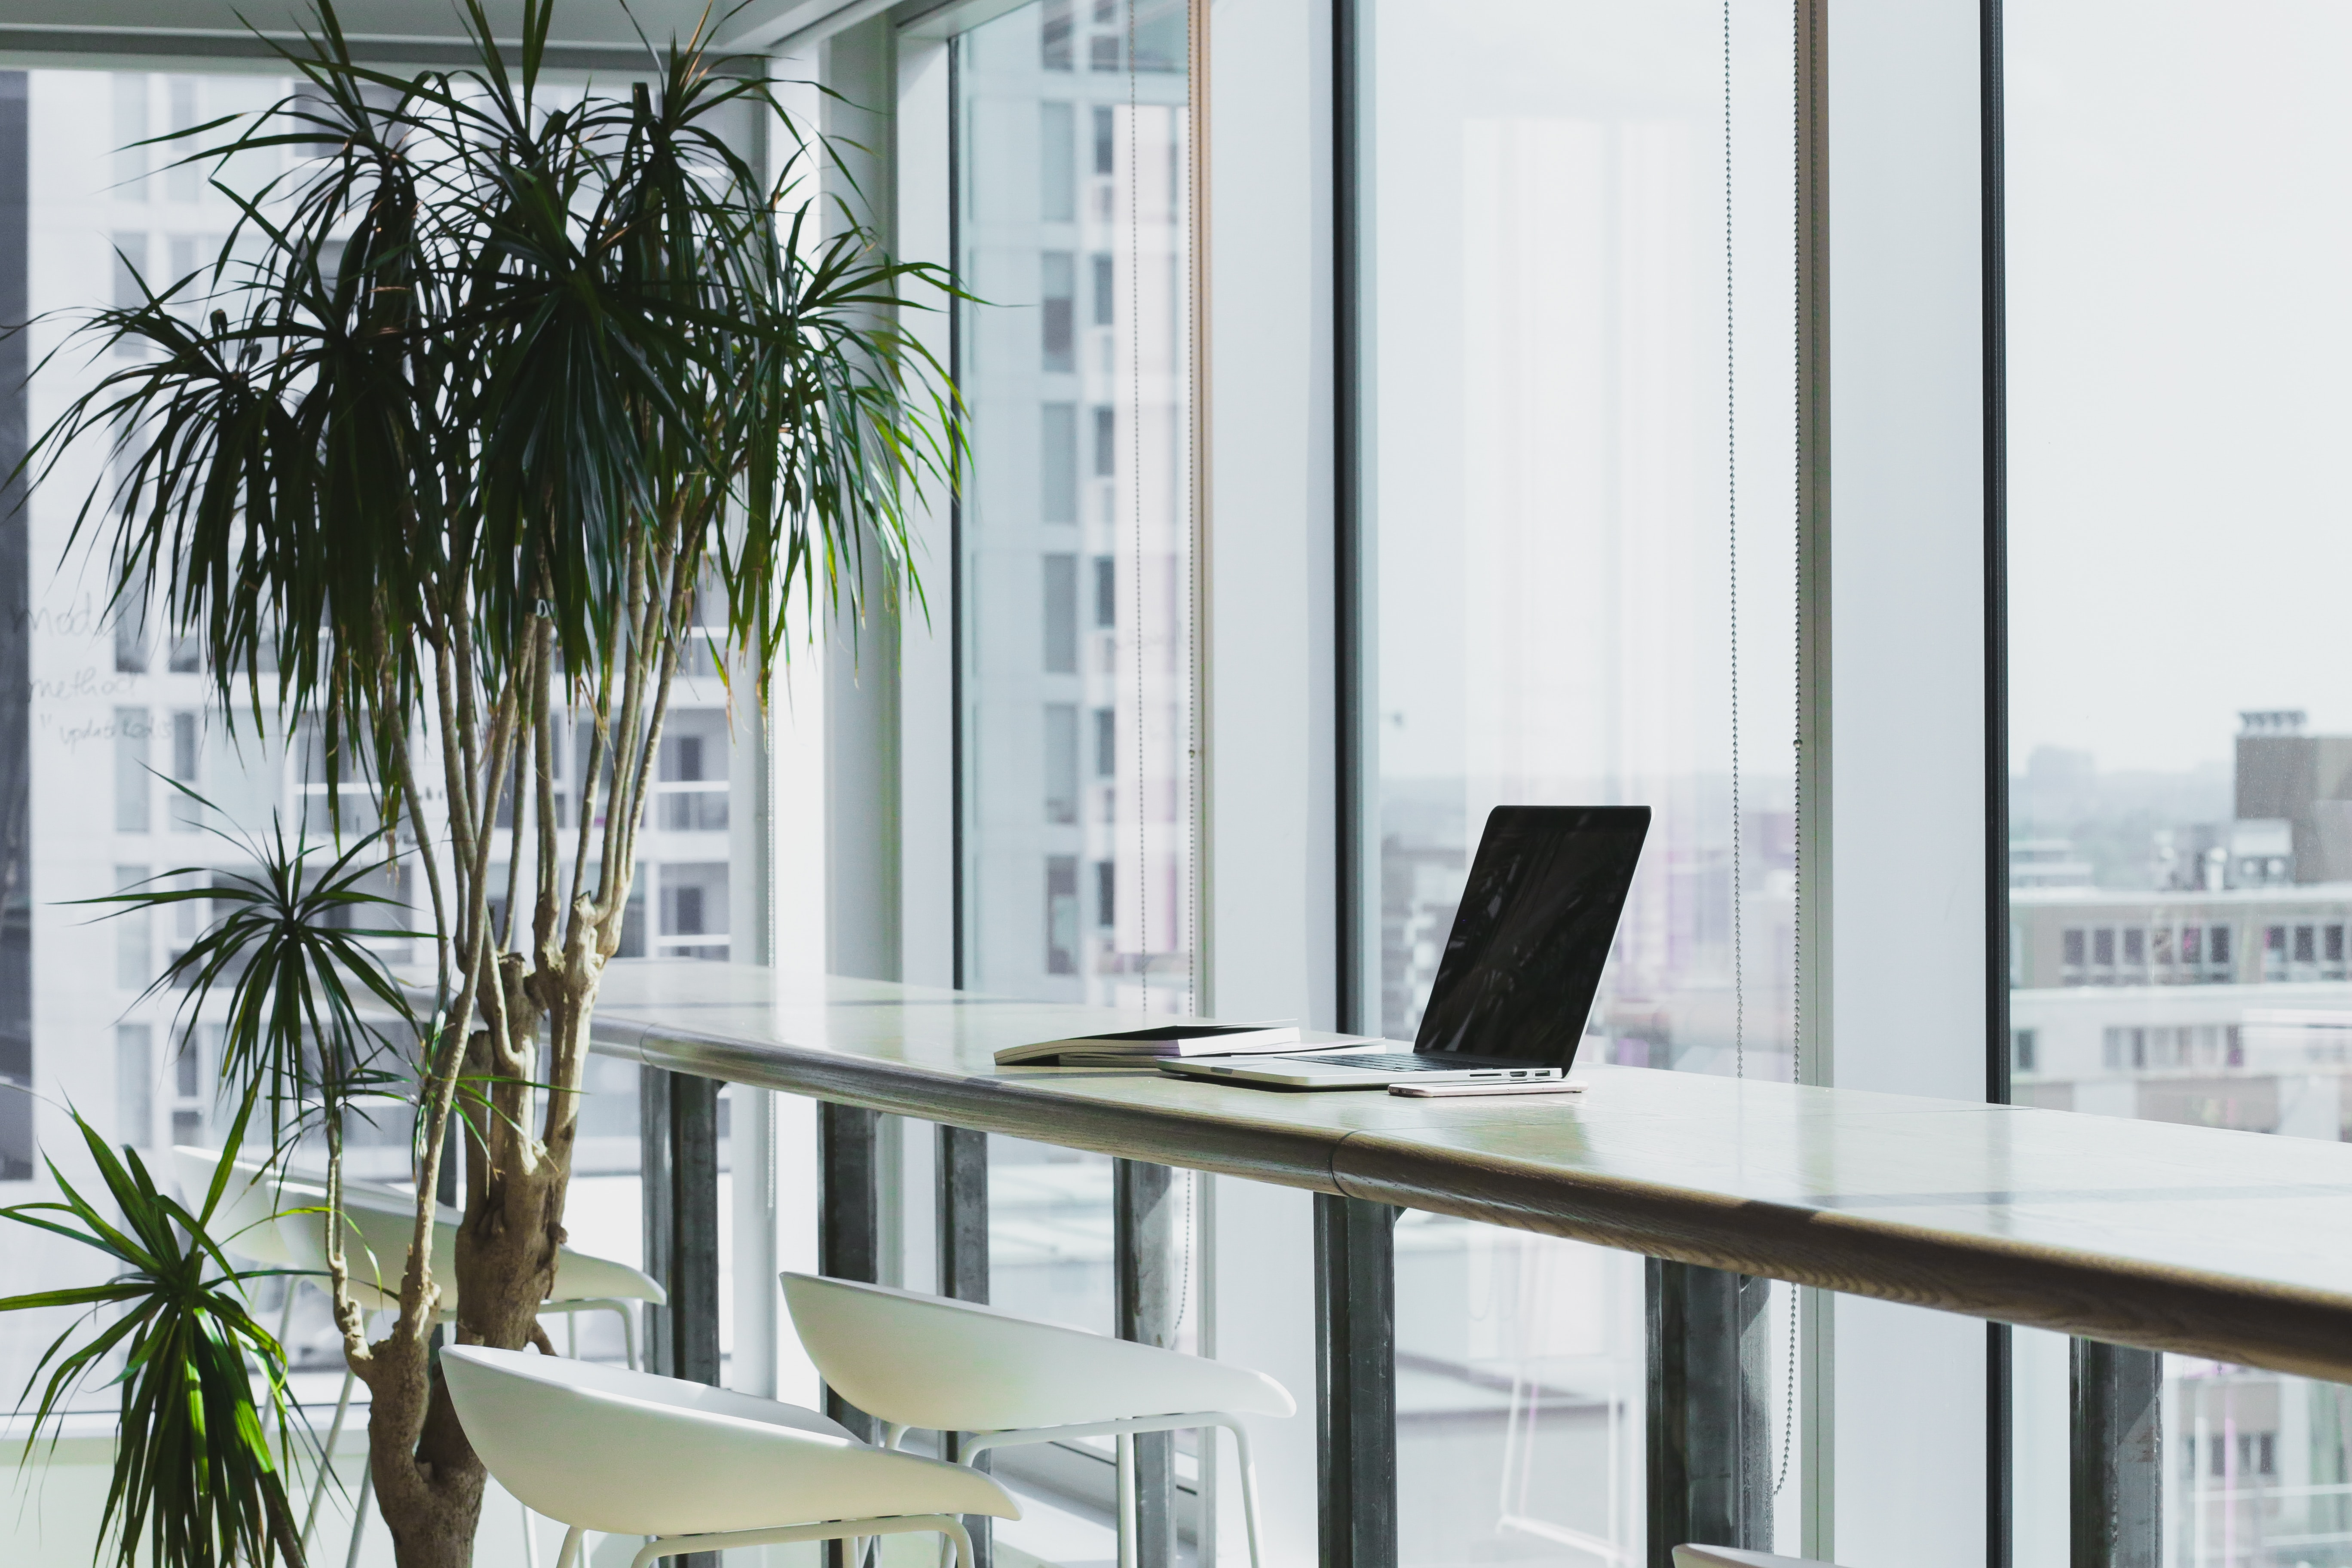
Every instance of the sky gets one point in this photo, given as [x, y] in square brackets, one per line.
[2179, 320]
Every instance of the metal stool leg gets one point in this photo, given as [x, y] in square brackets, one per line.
[1249, 1489]
[1126, 1500]
[326, 1457]
[358, 1515]
[573, 1552]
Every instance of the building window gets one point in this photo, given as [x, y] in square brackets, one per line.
[1057, 479]
[1104, 296]
[2021, 1043]
[1106, 442]
[2305, 949]
[1104, 52]
[2102, 947]
[2333, 946]
[1105, 593]
[1061, 914]
[2134, 947]
[1056, 34]
[2071, 945]
[1106, 140]
[1061, 617]
[135, 1084]
[1106, 882]
[2217, 946]
[1058, 288]
[187, 745]
[1061, 762]
[133, 788]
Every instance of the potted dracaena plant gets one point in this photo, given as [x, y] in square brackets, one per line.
[438, 457]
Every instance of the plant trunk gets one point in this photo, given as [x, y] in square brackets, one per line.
[432, 1499]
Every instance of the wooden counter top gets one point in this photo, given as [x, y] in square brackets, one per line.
[2219, 1243]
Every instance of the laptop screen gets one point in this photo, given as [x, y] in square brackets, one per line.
[1539, 916]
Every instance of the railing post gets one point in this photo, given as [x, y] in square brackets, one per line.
[848, 1234]
[963, 1266]
[1144, 1243]
[1355, 1380]
[678, 1131]
[1710, 1425]
[2116, 1513]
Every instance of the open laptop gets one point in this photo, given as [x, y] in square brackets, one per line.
[1522, 965]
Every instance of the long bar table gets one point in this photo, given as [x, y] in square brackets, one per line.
[2198, 1240]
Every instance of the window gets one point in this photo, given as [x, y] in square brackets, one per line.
[1058, 487]
[2021, 1050]
[135, 1084]
[1105, 443]
[1105, 593]
[1106, 880]
[1054, 33]
[2102, 947]
[1061, 617]
[1544, 367]
[2072, 943]
[1061, 763]
[133, 786]
[2134, 947]
[2190, 796]
[691, 792]
[1061, 914]
[1057, 285]
[1076, 594]
[187, 750]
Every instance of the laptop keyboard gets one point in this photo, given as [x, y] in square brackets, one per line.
[1399, 1061]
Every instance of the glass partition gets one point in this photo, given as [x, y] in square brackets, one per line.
[115, 711]
[1578, 265]
[2180, 801]
[1074, 562]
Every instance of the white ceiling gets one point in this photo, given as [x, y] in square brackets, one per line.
[584, 31]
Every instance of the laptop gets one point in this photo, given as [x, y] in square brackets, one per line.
[1522, 966]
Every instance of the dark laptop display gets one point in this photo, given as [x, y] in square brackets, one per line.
[1537, 919]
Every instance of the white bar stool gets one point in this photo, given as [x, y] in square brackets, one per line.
[1736, 1557]
[375, 1251]
[695, 1467]
[913, 1360]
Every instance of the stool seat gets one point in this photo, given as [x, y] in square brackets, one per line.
[956, 1366]
[1694, 1556]
[1006, 1381]
[628, 1453]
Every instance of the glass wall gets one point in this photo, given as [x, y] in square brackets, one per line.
[2180, 865]
[1578, 229]
[1075, 566]
[118, 711]
[1073, 220]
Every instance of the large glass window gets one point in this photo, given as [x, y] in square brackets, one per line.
[112, 711]
[1075, 573]
[2180, 866]
[1578, 229]
[1075, 587]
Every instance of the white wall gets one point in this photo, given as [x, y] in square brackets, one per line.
[1907, 614]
